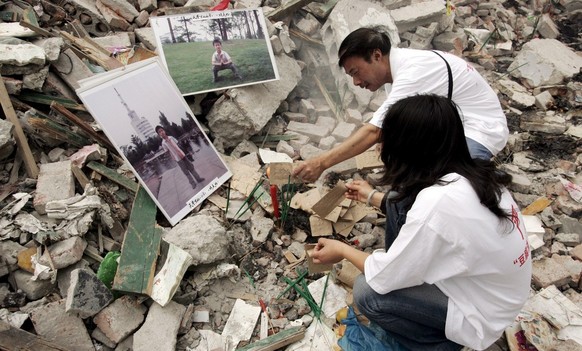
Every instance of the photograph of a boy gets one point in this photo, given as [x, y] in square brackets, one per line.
[210, 51]
[170, 144]
[221, 60]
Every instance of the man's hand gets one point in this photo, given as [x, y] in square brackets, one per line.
[309, 171]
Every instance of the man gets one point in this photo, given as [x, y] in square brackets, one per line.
[221, 60]
[366, 55]
[170, 144]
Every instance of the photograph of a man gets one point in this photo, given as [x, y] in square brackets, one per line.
[221, 60]
[170, 144]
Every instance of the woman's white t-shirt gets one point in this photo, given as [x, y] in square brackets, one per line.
[480, 262]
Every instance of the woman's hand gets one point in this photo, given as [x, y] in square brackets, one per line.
[328, 251]
[358, 190]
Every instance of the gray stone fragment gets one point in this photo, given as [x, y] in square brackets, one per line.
[54, 324]
[22, 55]
[120, 318]
[160, 330]
[55, 182]
[87, 295]
[64, 253]
[7, 141]
[34, 289]
[549, 271]
[246, 111]
[122, 8]
[545, 62]
[202, 236]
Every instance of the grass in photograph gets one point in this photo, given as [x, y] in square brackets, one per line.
[190, 65]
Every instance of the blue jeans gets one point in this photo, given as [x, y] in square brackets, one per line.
[414, 316]
[477, 150]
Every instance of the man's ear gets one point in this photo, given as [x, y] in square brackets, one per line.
[377, 55]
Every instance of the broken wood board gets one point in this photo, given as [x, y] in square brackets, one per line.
[44, 99]
[334, 215]
[280, 174]
[100, 138]
[241, 322]
[312, 266]
[305, 201]
[12, 338]
[88, 48]
[369, 159]
[537, 206]
[113, 175]
[169, 276]
[285, 10]
[320, 226]
[277, 341]
[330, 200]
[140, 249]
[23, 146]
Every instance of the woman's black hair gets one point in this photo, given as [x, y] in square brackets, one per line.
[361, 43]
[422, 140]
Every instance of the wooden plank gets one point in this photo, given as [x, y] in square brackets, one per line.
[36, 29]
[92, 51]
[57, 131]
[100, 138]
[32, 96]
[285, 10]
[140, 249]
[17, 339]
[23, 147]
[81, 177]
[276, 341]
[114, 176]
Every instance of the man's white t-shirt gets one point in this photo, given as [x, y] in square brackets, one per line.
[423, 71]
[480, 262]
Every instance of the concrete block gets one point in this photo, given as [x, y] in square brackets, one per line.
[21, 55]
[307, 108]
[55, 182]
[285, 148]
[295, 116]
[160, 330]
[547, 28]
[545, 62]
[123, 8]
[121, 318]
[142, 19]
[314, 132]
[111, 17]
[9, 251]
[327, 143]
[54, 324]
[309, 151]
[353, 116]
[544, 100]
[148, 5]
[419, 14]
[549, 271]
[64, 253]
[87, 295]
[299, 140]
[34, 289]
[568, 239]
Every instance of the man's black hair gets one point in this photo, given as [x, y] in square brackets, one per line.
[158, 127]
[361, 43]
[216, 40]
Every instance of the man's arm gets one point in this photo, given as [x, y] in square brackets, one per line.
[357, 143]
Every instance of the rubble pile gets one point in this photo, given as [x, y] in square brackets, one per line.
[68, 203]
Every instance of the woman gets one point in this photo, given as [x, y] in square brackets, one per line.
[457, 268]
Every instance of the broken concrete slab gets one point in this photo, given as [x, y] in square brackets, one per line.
[121, 318]
[202, 236]
[55, 182]
[160, 329]
[545, 62]
[245, 111]
[56, 325]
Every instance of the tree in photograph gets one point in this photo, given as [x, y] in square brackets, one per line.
[260, 34]
[185, 31]
[171, 31]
